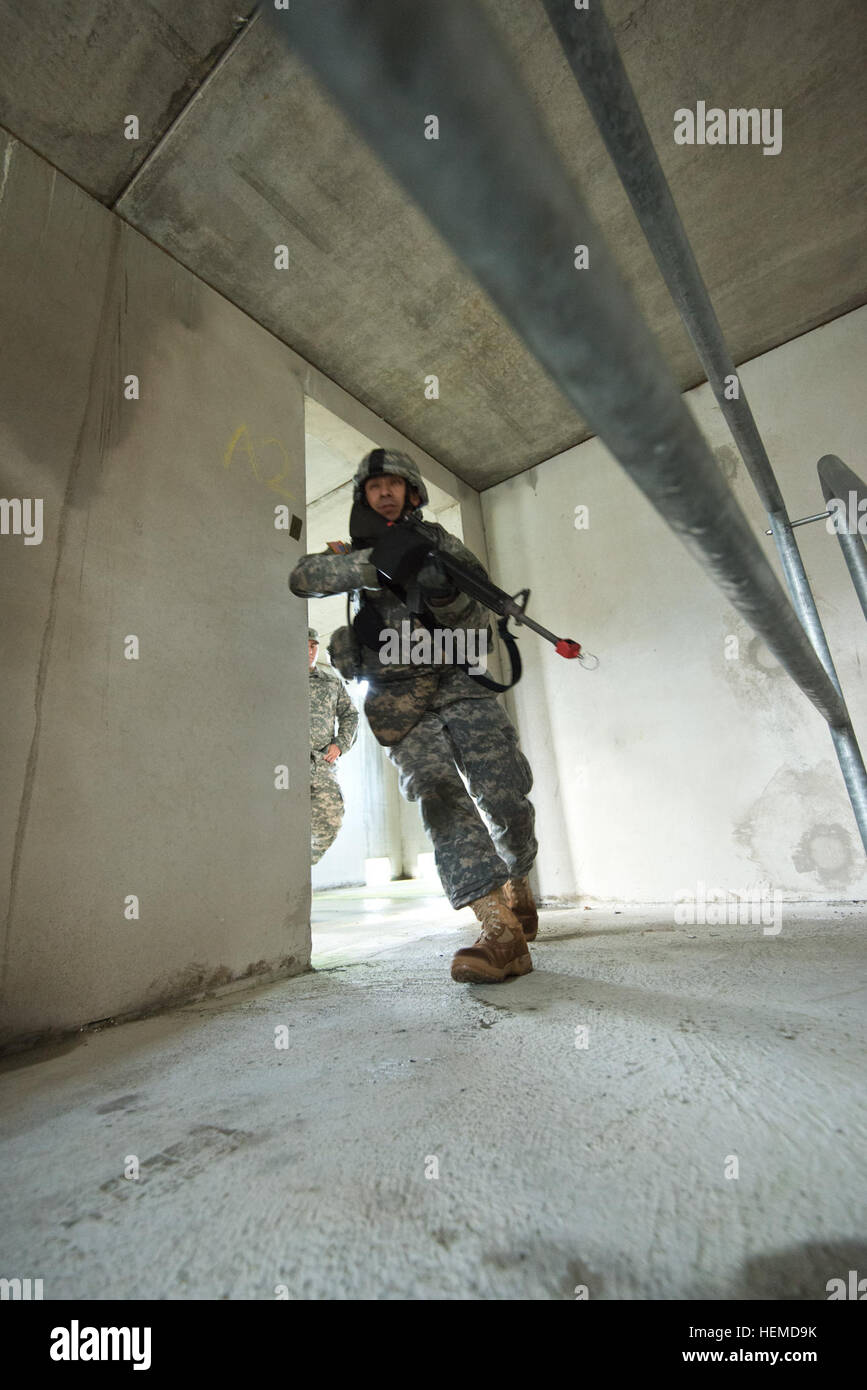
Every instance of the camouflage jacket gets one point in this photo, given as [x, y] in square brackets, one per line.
[329, 705]
[399, 693]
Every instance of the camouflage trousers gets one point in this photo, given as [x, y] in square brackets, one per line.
[475, 853]
[326, 806]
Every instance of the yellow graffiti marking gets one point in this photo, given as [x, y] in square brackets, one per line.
[274, 483]
[242, 443]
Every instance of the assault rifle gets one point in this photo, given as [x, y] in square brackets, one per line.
[402, 548]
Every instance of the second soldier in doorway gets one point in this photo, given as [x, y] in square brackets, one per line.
[438, 724]
[333, 725]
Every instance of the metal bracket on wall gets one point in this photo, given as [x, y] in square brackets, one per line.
[803, 521]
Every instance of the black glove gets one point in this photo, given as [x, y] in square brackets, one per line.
[435, 581]
[398, 551]
[399, 554]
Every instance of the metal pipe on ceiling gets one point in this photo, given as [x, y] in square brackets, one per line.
[838, 481]
[593, 55]
[432, 91]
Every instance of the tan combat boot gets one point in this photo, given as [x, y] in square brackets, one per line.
[500, 951]
[520, 899]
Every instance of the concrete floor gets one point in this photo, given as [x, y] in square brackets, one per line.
[559, 1165]
[354, 924]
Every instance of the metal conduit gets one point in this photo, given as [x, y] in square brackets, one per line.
[837, 481]
[592, 52]
[493, 186]
[594, 57]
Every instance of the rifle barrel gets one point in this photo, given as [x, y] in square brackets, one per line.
[484, 590]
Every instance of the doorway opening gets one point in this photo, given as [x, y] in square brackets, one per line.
[376, 886]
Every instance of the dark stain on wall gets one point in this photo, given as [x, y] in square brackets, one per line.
[828, 851]
[806, 802]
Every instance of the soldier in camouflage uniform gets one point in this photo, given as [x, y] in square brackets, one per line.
[329, 704]
[437, 723]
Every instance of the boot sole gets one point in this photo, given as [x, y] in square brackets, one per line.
[477, 973]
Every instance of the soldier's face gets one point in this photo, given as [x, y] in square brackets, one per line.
[312, 649]
[388, 495]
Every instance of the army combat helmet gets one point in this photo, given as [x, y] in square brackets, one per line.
[380, 461]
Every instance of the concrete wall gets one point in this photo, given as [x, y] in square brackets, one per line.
[686, 758]
[152, 777]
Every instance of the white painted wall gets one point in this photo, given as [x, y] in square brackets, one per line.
[671, 764]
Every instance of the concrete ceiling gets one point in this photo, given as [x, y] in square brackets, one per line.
[240, 151]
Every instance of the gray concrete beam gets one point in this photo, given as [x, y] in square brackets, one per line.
[69, 79]
[371, 297]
